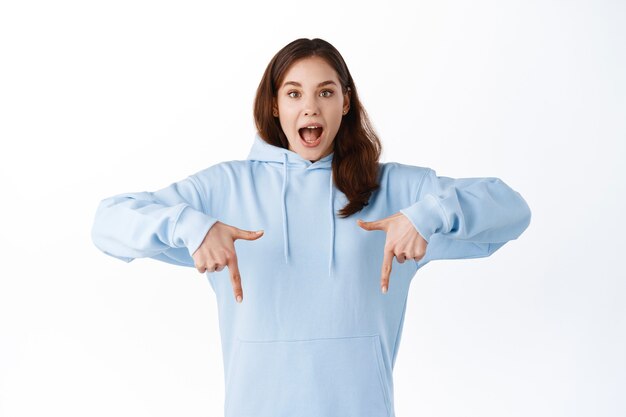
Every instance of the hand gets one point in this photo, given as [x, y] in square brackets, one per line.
[217, 250]
[403, 242]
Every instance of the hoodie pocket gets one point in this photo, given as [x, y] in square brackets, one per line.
[316, 377]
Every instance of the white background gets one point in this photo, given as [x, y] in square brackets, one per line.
[100, 98]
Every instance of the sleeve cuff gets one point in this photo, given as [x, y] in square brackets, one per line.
[426, 216]
[191, 228]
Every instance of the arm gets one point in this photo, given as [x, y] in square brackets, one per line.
[167, 225]
[466, 217]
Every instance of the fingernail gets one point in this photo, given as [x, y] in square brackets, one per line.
[239, 298]
[384, 290]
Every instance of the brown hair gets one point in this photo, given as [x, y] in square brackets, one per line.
[356, 145]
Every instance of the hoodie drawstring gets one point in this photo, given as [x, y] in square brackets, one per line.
[332, 227]
[285, 233]
[332, 218]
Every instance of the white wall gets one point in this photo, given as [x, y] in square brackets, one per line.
[99, 98]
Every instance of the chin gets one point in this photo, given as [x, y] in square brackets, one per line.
[315, 154]
[311, 156]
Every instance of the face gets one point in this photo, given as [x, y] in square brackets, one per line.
[310, 95]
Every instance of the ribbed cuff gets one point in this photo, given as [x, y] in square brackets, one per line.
[426, 216]
[191, 228]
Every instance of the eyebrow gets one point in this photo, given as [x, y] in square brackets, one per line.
[297, 84]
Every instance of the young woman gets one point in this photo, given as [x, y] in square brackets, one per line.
[320, 327]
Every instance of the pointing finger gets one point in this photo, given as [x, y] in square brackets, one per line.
[386, 271]
[235, 278]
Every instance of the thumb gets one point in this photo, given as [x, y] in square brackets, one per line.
[247, 234]
[373, 225]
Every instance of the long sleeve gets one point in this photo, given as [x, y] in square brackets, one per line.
[466, 217]
[166, 225]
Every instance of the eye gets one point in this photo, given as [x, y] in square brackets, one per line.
[330, 93]
[292, 92]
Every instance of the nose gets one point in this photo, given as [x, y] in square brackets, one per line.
[311, 107]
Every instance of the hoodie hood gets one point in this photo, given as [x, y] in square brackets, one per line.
[265, 152]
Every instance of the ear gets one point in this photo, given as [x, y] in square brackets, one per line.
[346, 99]
[274, 107]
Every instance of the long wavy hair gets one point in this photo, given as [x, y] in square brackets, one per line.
[357, 148]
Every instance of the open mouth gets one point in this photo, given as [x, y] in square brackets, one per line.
[311, 135]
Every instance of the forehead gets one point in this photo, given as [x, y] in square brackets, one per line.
[310, 71]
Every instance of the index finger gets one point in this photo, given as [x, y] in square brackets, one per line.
[235, 278]
[386, 271]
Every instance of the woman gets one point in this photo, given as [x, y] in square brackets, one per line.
[315, 336]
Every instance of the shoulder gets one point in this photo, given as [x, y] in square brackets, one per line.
[220, 169]
[398, 176]
[216, 177]
[399, 171]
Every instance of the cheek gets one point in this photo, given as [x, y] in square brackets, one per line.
[287, 114]
[335, 111]
[336, 118]
[284, 115]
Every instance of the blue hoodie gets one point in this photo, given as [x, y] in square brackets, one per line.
[314, 336]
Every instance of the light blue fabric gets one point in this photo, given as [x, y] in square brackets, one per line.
[314, 335]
